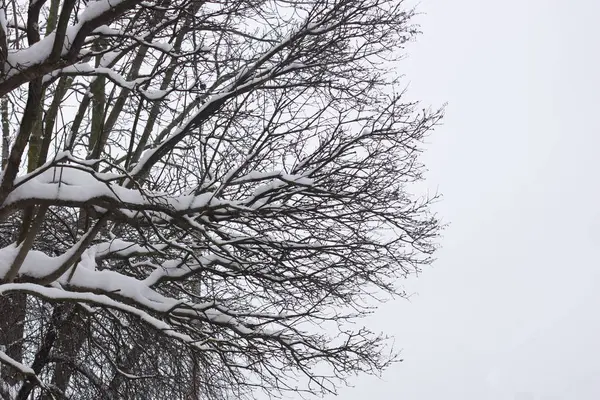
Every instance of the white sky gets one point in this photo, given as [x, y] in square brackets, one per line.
[511, 309]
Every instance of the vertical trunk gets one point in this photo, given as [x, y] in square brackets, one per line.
[5, 130]
[50, 118]
[69, 338]
[12, 310]
[35, 140]
[98, 91]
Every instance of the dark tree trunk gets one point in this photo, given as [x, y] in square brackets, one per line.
[12, 317]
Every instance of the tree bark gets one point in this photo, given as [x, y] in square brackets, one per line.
[12, 310]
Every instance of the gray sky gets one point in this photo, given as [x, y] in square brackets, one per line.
[511, 308]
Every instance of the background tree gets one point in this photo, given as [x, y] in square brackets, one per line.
[198, 199]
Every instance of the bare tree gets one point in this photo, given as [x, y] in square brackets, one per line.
[200, 199]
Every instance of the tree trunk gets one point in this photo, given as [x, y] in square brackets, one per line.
[12, 312]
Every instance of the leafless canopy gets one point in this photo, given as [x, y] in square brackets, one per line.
[199, 199]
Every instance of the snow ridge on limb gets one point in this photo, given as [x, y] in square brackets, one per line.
[43, 56]
[219, 193]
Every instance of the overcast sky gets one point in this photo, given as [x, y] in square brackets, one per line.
[510, 309]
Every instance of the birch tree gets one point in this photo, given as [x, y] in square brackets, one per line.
[201, 199]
